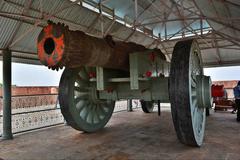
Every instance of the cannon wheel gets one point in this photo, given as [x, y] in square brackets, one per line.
[188, 117]
[147, 106]
[79, 103]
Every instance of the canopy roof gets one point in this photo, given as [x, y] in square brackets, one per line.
[152, 23]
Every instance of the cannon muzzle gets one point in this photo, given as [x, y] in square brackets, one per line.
[58, 47]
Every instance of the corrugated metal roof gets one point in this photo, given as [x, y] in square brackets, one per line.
[7, 30]
[225, 16]
[172, 20]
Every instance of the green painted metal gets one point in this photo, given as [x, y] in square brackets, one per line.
[84, 100]
[143, 62]
[204, 91]
[79, 101]
[134, 72]
[207, 92]
[149, 90]
[159, 89]
[138, 85]
[7, 110]
[103, 76]
[100, 79]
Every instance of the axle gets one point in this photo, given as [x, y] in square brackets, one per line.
[140, 85]
[149, 90]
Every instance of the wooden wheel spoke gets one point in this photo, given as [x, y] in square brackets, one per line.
[83, 112]
[93, 114]
[193, 81]
[93, 111]
[106, 109]
[80, 105]
[77, 99]
[88, 108]
[89, 118]
[96, 118]
[82, 96]
[101, 112]
[81, 89]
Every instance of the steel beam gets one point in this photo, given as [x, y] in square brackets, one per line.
[7, 111]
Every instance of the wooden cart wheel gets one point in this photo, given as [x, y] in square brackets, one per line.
[188, 114]
[147, 106]
[79, 103]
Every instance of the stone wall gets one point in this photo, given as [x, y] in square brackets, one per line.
[28, 97]
[32, 90]
[33, 107]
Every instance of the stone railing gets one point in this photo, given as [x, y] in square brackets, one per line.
[36, 111]
[32, 112]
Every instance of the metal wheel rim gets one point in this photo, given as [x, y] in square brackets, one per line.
[198, 113]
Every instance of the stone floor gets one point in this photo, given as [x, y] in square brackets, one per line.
[128, 135]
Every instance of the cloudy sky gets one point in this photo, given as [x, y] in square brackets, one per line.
[32, 75]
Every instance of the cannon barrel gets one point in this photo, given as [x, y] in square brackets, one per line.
[58, 46]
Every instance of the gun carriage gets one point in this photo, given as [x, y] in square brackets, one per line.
[99, 72]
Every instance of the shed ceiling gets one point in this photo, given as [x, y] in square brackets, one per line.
[152, 23]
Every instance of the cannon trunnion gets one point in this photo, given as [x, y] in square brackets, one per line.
[91, 83]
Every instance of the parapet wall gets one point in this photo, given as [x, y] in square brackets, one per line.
[32, 90]
[26, 97]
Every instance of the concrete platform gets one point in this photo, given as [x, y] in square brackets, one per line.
[134, 135]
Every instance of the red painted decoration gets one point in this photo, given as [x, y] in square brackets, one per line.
[92, 75]
[148, 74]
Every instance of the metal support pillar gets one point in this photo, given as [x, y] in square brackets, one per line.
[7, 84]
[129, 105]
[159, 107]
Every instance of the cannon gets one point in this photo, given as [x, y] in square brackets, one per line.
[100, 71]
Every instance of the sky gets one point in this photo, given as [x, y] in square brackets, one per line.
[223, 73]
[33, 75]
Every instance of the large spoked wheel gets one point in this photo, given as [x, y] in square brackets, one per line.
[147, 106]
[188, 114]
[79, 103]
